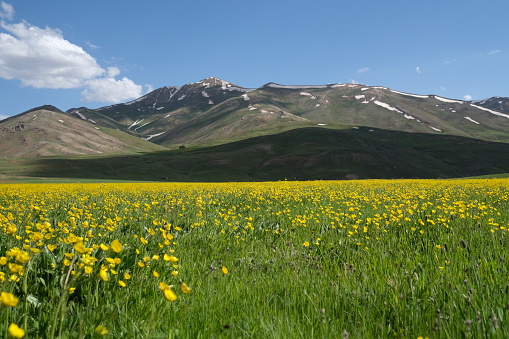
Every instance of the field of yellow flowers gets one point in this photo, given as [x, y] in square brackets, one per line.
[321, 259]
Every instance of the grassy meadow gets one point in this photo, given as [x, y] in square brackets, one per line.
[317, 259]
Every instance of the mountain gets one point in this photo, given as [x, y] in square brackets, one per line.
[213, 111]
[47, 131]
[495, 103]
[221, 131]
[168, 107]
[274, 108]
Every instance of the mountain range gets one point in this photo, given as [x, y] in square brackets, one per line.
[214, 112]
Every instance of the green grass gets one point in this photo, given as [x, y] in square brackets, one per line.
[365, 259]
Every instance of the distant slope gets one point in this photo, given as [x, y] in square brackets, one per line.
[213, 111]
[47, 132]
[302, 154]
[274, 108]
[500, 104]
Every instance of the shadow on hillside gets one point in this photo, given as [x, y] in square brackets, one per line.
[302, 154]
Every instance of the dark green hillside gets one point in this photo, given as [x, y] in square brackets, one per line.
[302, 154]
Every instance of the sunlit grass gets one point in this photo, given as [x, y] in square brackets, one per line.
[414, 258]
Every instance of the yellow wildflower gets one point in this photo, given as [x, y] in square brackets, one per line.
[169, 294]
[101, 330]
[224, 270]
[8, 299]
[15, 331]
[116, 246]
[184, 288]
[103, 273]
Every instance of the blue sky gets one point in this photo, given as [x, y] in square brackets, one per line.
[94, 53]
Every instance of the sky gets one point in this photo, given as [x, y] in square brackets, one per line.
[95, 53]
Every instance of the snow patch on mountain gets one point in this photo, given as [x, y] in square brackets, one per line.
[451, 101]
[491, 111]
[410, 95]
[360, 96]
[153, 136]
[470, 119]
[435, 129]
[273, 85]
[80, 115]
[205, 94]
[135, 123]
[387, 106]
[308, 94]
[246, 98]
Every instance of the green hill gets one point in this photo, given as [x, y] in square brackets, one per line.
[301, 154]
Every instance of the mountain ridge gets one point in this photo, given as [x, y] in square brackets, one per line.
[214, 111]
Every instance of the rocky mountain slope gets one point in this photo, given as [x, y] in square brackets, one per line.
[46, 131]
[213, 111]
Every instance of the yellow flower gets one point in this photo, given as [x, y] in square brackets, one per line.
[121, 283]
[22, 257]
[163, 286]
[438, 246]
[127, 276]
[224, 270]
[51, 247]
[174, 273]
[3, 261]
[88, 269]
[101, 330]
[155, 274]
[15, 268]
[170, 258]
[15, 331]
[71, 290]
[306, 243]
[103, 274]
[8, 299]
[116, 246]
[169, 294]
[80, 248]
[11, 229]
[185, 289]
[104, 247]
[14, 277]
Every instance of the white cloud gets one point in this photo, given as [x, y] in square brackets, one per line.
[112, 72]
[354, 81]
[2, 117]
[42, 58]
[418, 70]
[496, 51]
[362, 70]
[467, 97]
[7, 11]
[90, 45]
[111, 90]
[150, 88]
